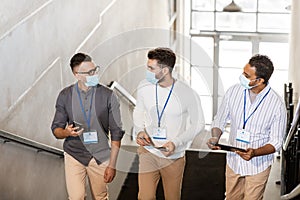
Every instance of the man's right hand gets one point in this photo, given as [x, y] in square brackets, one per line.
[211, 143]
[143, 139]
[73, 131]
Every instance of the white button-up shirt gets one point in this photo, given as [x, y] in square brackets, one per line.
[267, 125]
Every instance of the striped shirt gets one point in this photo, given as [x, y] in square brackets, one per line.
[266, 125]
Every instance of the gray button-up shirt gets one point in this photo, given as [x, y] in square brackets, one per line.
[105, 119]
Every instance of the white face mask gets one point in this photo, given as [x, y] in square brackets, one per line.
[92, 81]
[245, 82]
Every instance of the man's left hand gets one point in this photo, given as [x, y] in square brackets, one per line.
[109, 174]
[170, 146]
[246, 155]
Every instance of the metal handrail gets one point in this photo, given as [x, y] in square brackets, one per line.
[293, 128]
[124, 92]
[10, 137]
[294, 193]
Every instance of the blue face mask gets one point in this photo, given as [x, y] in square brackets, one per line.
[245, 82]
[92, 81]
[150, 76]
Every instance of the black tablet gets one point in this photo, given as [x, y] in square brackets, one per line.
[229, 148]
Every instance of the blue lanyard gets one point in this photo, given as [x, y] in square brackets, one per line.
[161, 114]
[246, 120]
[86, 118]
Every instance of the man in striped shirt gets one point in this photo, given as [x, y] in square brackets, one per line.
[257, 117]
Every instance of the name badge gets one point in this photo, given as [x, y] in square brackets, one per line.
[90, 137]
[243, 136]
[159, 133]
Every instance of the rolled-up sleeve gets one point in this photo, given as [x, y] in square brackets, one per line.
[278, 128]
[115, 122]
[223, 114]
[60, 117]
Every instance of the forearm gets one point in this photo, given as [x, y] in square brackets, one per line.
[60, 133]
[115, 147]
[216, 132]
[264, 150]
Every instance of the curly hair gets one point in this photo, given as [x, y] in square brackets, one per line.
[263, 65]
[164, 56]
[78, 58]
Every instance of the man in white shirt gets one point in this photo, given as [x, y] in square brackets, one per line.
[257, 118]
[167, 117]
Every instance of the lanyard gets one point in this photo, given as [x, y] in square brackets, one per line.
[245, 120]
[161, 114]
[86, 118]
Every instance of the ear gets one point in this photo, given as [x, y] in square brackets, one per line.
[76, 76]
[261, 80]
[166, 70]
[79, 77]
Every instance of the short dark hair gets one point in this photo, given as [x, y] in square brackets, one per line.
[164, 56]
[263, 65]
[78, 58]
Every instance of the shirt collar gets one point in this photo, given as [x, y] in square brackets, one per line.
[264, 91]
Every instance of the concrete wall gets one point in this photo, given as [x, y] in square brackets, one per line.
[37, 39]
[29, 175]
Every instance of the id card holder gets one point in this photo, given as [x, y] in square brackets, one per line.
[90, 137]
[159, 133]
[243, 136]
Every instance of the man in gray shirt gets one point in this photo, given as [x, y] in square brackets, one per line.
[86, 112]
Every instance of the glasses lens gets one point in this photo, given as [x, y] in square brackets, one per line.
[93, 71]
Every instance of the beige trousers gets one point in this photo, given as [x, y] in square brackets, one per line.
[76, 174]
[151, 168]
[246, 187]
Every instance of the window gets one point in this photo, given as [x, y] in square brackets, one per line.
[270, 16]
[223, 42]
[172, 22]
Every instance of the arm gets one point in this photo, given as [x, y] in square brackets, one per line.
[61, 133]
[216, 134]
[250, 153]
[277, 131]
[115, 127]
[110, 171]
[60, 118]
[219, 123]
[59, 126]
[196, 120]
[143, 138]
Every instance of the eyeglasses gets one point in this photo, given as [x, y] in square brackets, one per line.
[91, 72]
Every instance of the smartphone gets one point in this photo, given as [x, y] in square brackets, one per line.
[76, 124]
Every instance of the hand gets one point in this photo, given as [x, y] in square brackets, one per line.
[246, 155]
[212, 142]
[73, 131]
[143, 139]
[170, 147]
[109, 174]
